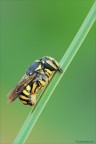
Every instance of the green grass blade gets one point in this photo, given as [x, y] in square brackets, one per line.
[64, 63]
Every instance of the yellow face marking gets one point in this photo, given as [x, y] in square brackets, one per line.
[23, 97]
[42, 83]
[25, 92]
[28, 88]
[33, 87]
[24, 102]
[38, 68]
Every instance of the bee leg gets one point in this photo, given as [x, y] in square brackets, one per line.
[33, 99]
[59, 69]
[47, 77]
[48, 72]
[40, 82]
[35, 87]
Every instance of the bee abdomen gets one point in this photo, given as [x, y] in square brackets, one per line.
[25, 96]
[25, 100]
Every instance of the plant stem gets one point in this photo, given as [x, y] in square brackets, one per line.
[64, 63]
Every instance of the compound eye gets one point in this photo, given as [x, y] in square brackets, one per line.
[51, 64]
[55, 62]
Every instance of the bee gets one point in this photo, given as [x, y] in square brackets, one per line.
[36, 77]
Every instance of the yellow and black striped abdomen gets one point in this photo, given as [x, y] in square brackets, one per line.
[28, 95]
[25, 96]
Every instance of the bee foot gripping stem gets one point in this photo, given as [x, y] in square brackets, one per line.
[60, 69]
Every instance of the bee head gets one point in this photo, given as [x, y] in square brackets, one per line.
[50, 63]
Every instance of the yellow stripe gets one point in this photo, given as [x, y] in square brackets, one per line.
[48, 71]
[23, 97]
[28, 88]
[38, 68]
[42, 83]
[25, 92]
[33, 87]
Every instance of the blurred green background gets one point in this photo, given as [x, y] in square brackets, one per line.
[28, 31]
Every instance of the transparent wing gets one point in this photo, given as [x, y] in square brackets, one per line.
[14, 93]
